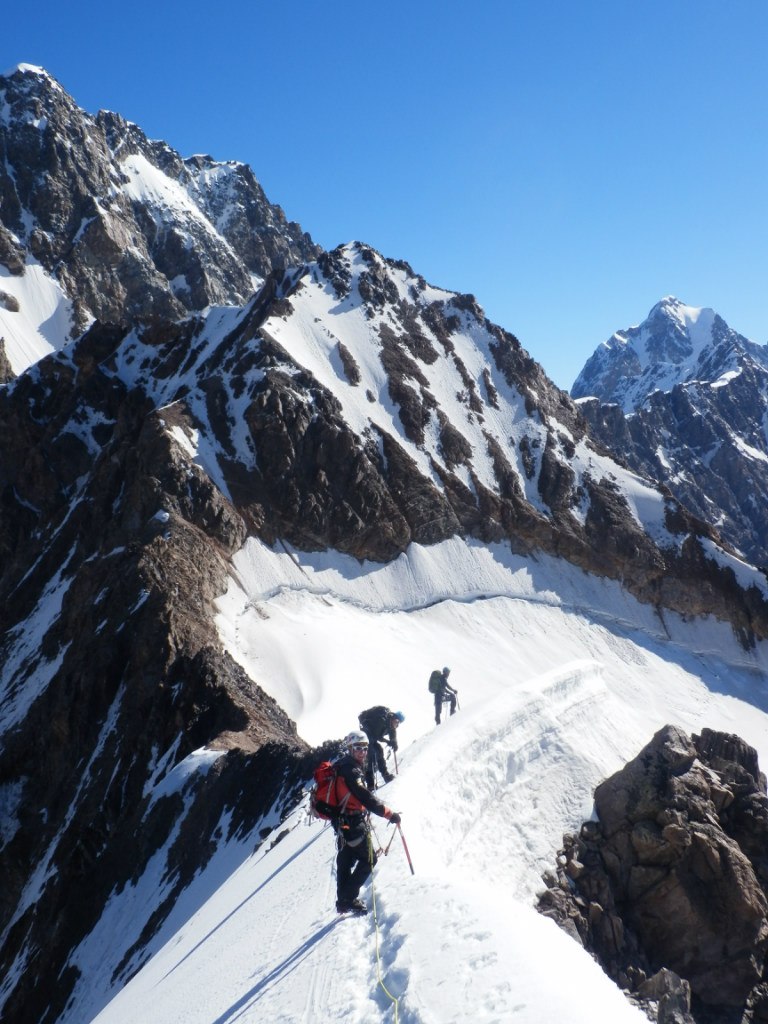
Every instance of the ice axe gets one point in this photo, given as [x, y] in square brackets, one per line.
[386, 851]
[405, 847]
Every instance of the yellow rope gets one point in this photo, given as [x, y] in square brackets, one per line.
[376, 932]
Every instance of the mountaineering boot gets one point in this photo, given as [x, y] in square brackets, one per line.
[387, 776]
[351, 907]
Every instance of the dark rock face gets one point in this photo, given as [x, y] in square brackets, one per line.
[674, 873]
[112, 550]
[6, 373]
[131, 230]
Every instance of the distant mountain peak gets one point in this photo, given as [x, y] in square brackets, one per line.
[29, 80]
[676, 343]
[681, 315]
[684, 398]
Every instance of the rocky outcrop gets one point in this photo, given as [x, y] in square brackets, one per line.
[6, 372]
[673, 875]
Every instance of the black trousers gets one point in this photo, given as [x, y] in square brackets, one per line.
[354, 864]
[448, 698]
[376, 760]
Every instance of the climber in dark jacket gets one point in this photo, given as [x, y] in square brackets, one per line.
[444, 694]
[356, 856]
[380, 725]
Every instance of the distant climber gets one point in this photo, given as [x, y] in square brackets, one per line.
[380, 726]
[442, 692]
[356, 856]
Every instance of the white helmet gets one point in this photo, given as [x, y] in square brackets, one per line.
[355, 739]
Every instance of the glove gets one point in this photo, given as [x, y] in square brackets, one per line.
[394, 818]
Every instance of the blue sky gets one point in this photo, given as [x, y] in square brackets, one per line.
[569, 164]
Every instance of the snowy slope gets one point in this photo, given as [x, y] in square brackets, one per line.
[561, 679]
[37, 321]
[319, 326]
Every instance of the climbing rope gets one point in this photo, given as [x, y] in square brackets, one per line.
[392, 998]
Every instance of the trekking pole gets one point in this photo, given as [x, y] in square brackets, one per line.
[394, 833]
[394, 754]
[405, 847]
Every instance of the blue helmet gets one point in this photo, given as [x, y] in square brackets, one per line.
[398, 715]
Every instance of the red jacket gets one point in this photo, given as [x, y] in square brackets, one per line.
[350, 782]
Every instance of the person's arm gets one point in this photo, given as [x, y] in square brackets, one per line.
[392, 741]
[353, 778]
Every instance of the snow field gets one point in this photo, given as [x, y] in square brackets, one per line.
[561, 680]
[43, 320]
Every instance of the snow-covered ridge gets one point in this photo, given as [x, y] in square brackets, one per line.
[552, 700]
[267, 584]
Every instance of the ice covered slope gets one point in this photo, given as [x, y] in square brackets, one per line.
[560, 682]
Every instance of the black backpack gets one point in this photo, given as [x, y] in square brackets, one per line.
[374, 719]
[436, 681]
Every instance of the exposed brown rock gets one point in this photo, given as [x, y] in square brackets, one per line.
[672, 875]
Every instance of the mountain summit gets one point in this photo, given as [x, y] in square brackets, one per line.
[100, 222]
[683, 398]
[675, 344]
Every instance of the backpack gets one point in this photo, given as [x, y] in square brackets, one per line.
[374, 719]
[323, 802]
[435, 681]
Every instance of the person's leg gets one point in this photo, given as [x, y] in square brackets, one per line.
[370, 763]
[453, 703]
[381, 763]
[438, 708]
[366, 858]
[353, 867]
[346, 859]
